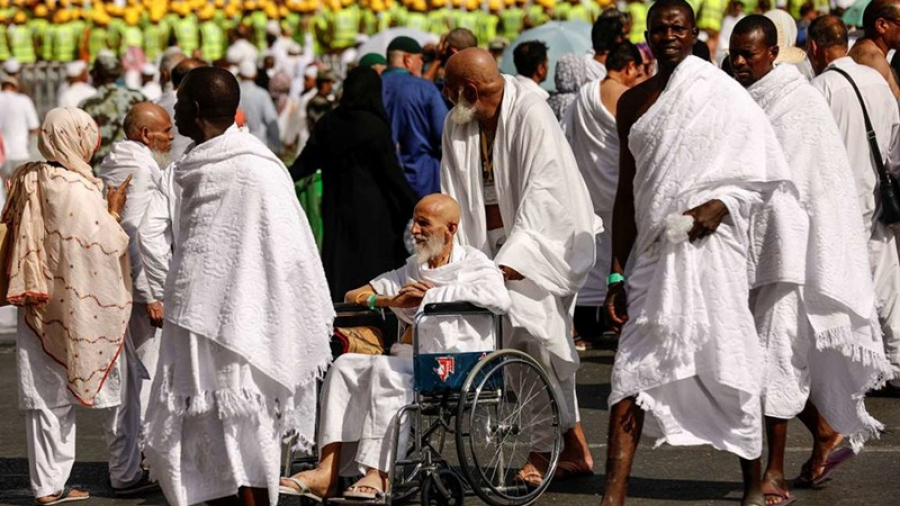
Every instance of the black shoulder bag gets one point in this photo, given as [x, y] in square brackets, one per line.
[890, 192]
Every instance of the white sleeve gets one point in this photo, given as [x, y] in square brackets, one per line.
[32, 117]
[155, 239]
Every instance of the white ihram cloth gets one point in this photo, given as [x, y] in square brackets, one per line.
[362, 394]
[533, 87]
[158, 232]
[817, 319]
[689, 353]
[248, 323]
[885, 117]
[135, 159]
[548, 223]
[591, 131]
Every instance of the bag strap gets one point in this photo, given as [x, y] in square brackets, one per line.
[870, 131]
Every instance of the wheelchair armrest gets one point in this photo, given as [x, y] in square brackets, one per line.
[453, 308]
[350, 307]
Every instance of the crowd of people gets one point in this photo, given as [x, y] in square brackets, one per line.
[729, 213]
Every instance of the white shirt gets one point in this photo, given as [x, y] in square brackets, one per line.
[19, 117]
[532, 86]
[885, 117]
[152, 90]
[76, 93]
[262, 118]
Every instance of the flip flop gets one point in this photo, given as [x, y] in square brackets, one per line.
[304, 490]
[355, 492]
[64, 496]
[835, 459]
[781, 494]
[566, 470]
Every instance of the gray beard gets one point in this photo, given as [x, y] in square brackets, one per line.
[463, 112]
[162, 158]
[431, 248]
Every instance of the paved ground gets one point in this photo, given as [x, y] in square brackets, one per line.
[663, 476]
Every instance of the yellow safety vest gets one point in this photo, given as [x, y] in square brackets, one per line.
[711, 14]
[513, 22]
[187, 35]
[346, 27]
[4, 45]
[638, 12]
[213, 41]
[21, 44]
[65, 42]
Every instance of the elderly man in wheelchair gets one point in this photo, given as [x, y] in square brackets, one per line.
[362, 394]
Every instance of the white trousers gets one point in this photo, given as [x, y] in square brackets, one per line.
[51, 440]
[886, 274]
[361, 397]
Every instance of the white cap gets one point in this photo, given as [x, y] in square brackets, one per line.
[12, 66]
[234, 55]
[311, 71]
[148, 69]
[247, 69]
[294, 49]
[75, 68]
[273, 28]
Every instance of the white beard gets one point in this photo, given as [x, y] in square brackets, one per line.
[430, 248]
[463, 112]
[162, 158]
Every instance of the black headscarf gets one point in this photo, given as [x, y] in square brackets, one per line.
[362, 92]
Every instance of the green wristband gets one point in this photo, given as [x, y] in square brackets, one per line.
[372, 299]
[614, 278]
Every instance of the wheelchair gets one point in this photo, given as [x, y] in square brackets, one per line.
[474, 419]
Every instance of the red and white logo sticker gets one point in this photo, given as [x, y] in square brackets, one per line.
[446, 367]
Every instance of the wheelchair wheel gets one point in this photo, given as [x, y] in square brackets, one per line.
[507, 406]
[443, 488]
[409, 477]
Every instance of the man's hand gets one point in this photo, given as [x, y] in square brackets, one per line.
[617, 305]
[411, 295]
[155, 312]
[116, 196]
[707, 218]
[510, 274]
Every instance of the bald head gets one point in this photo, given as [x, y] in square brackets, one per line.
[441, 208]
[435, 223]
[473, 83]
[208, 99]
[473, 64]
[461, 38]
[150, 125]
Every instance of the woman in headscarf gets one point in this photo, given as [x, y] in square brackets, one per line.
[69, 276]
[571, 73]
[366, 201]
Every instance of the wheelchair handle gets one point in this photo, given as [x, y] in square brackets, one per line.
[452, 308]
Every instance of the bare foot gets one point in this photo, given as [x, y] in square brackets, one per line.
[372, 483]
[319, 480]
[576, 458]
[775, 490]
[815, 466]
[74, 493]
[535, 468]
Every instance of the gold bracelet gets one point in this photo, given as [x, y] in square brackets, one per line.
[116, 215]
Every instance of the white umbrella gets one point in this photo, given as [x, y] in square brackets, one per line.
[379, 42]
[561, 37]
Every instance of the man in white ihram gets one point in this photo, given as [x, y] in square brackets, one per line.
[145, 151]
[441, 271]
[524, 203]
[248, 313]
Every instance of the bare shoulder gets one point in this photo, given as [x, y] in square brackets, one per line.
[634, 102]
[865, 52]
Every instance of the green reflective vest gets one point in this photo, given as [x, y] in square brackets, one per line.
[154, 42]
[131, 36]
[536, 15]
[65, 42]
[487, 28]
[4, 45]
[468, 20]
[97, 40]
[638, 12]
[212, 43]
[21, 44]
[711, 14]
[346, 27]
[513, 20]
[417, 21]
[437, 22]
[187, 35]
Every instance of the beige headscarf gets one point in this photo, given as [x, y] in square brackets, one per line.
[68, 263]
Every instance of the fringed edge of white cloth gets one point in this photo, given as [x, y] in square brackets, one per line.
[841, 339]
[246, 403]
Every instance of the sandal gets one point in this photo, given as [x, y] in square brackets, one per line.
[303, 489]
[65, 496]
